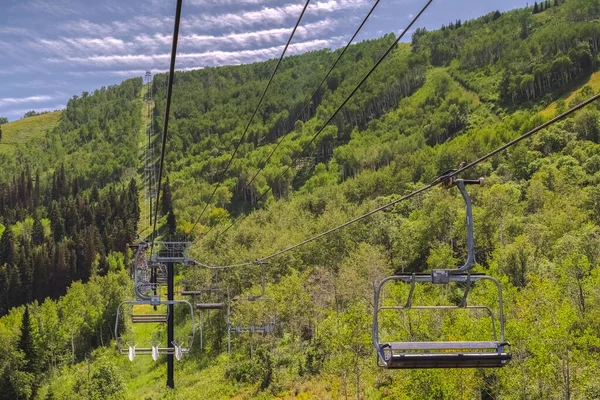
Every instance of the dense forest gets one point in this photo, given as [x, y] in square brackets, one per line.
[449, 96]
[70, 221]
[96, 139]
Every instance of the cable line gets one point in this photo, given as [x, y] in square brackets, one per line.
[363, 80]
[167, 111]
[441, 179]
[264, 164]
[235, 150]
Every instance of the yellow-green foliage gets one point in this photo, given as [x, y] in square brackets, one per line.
[466, 90]
[23, 131]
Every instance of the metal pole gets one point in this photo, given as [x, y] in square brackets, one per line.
[170, 328]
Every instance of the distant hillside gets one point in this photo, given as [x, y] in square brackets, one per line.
[449, 96]
[27, 130]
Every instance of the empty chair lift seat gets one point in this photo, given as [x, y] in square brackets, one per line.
[148, 318]
[410, 355]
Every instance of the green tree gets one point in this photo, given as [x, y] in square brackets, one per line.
[171, 223]
[167, 199]
[8, 247]
[37, 234]
[27, 344]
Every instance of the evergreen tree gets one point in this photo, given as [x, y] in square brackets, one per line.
[133, 202]
[555, 3]
[166, 200]
[37, 232]
[57, 222]
[7, 391]
[8, 248]
[4, 291]
[171, 222]
[36, 190]
[28, 346]
[536, 8]
[95, 196]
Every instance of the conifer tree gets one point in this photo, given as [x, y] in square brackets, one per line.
[8, 391]
[171, 222]
[536, 8]
[28, 346]
[57, 222]
[166, 200]
[37, 232]
[8, 249]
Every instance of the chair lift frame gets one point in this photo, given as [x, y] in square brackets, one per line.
[204, 306]
[411, 355]
[177, 349]
[264, 329]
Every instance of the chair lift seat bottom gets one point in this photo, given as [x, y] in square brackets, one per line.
[148, 318]
[448, 360]
[210, 306]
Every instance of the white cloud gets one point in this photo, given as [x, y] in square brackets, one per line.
[100, 48]
[19, 112]
[57, 8]
[194, 60]
[237, 40]
[65, 45]
[8, 101]
[209, 22]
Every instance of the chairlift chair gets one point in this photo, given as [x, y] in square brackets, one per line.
[444, 354]
[130, 348]
[205, 306]
[267, 328]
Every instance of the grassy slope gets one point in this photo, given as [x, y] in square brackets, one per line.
[593, 82]
[27, 129]
[143, 143]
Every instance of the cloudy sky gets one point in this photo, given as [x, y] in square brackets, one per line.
[53, 49]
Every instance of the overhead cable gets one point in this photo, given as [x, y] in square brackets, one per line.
[438, 181]
[167, 111]
[239, 143]
[363, 80]
[298, 116]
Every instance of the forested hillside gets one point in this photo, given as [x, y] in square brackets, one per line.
[449, 96]
[68, 209]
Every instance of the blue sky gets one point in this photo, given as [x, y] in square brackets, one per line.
[51, 50]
